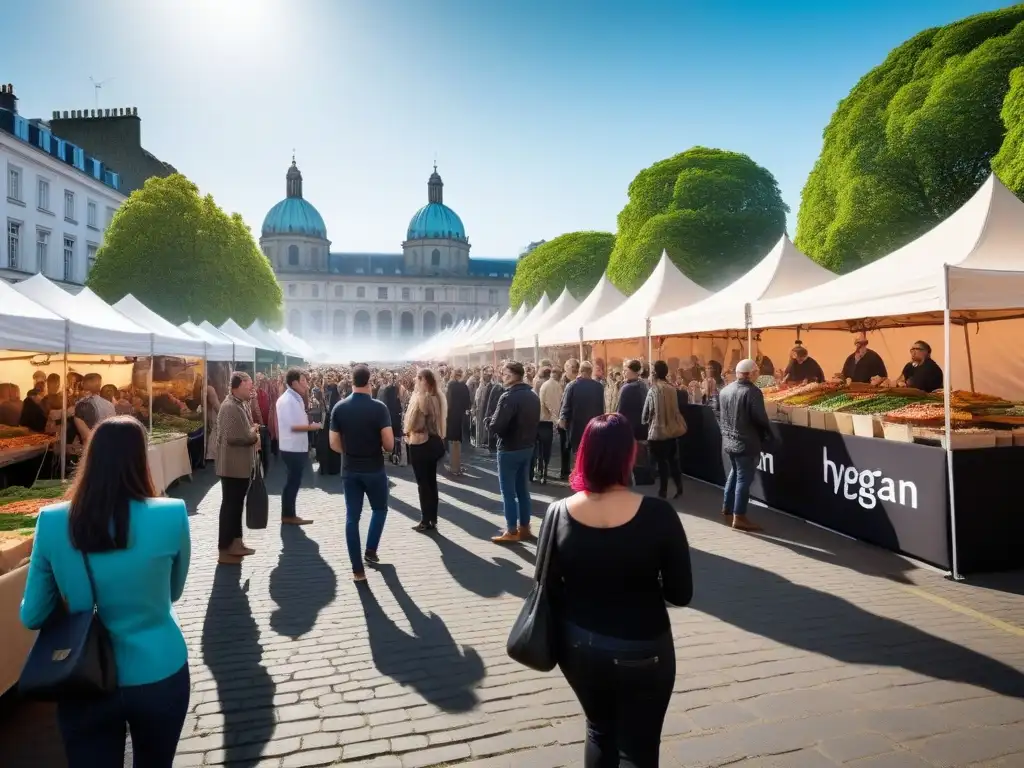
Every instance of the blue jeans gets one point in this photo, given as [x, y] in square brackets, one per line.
[295, 464]
[94, 729]
[513, 469]
[737, 485]
[374, 485]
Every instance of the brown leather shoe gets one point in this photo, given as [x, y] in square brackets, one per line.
[508, 537]
[525, 532]
[740, 523]
[727, 517]
[239, 549]
[296, 521]
[226, 558]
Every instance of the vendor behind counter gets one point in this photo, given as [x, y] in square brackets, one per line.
[921, 372]
[864, 366]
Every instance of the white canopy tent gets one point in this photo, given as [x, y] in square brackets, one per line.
[485, 342]
[306, 352]
[526, 334]
[243, 351]
[602, 300]
[441, 341]
[218, 349]
[484, 332]
[94, 327]
[784, 270]
[170, 340]
[666, 289]
[505, 338]
[28, 326]
[268, 340]
[230, 328]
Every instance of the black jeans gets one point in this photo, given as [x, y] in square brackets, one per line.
[232, 504]
[664, 453]
[94, 729]
[424, 468]
[563, 447]
[624, 687]
[542, 449]
[294, 463]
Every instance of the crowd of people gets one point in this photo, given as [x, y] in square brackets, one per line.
[619, 557]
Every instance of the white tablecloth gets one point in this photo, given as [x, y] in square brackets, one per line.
[168, 461]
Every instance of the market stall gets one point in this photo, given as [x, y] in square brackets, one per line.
[565, 339]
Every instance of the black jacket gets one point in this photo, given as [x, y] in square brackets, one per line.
[743, 419]
[516, 417]
[459, 402]
[631, 405]
[388, 394]
[582, 400]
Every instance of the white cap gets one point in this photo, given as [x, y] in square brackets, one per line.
[746, 366]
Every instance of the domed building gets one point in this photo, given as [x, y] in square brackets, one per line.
[431, 285]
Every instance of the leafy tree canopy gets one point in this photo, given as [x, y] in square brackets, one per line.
[184, 258]
[716, 213]
[915, 138]
[575, 260]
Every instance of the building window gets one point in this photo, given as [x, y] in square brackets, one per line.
[339, 291]
[360, 292]
[435, 258]
[13, 244]
[69, 258]
[42, 249]
[428, 294]
[339, 322]
[406, 293]
[316, 291]
[14, 183]
[378, 270]
[44, 195]
[492, 295]
[382, 293]
[314, 257]
[464, 295]
[92, 219]
[295, 322]
[293, 289]
[318, 321]
[69, 205]
[90, 257]
[110, 216]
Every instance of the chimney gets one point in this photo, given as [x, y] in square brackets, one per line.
[8, 100]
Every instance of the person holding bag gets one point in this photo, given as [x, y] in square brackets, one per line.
[106, 567]
[665, 425]
[608, 560]
[425, 421]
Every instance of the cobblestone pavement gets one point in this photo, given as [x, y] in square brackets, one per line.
[801, 649]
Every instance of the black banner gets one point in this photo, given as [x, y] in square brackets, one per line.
[880, 491]
[989, 523]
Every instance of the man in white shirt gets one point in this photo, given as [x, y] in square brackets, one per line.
[293, 441]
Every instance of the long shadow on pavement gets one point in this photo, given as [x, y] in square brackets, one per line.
[231, 649]
[429, 660]
[766, 604]
[302, 583]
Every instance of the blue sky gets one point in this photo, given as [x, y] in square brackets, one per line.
[539, 113]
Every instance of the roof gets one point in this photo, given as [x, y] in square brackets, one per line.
[436, 221]
[294, 215]
[394, 264]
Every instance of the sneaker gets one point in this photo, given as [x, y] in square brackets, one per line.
[371, 556]
[295, 521]
[508, 537]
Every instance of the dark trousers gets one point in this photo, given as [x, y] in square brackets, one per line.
[624, 688]
[265, 448]
[424, 468]
[232, 504]
[94, 729]
[563, 447]
[542, 449]
[664, 453]
[295, 464]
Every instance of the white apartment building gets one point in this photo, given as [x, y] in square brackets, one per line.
[57, 201]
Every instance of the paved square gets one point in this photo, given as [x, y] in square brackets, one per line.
[802, 648]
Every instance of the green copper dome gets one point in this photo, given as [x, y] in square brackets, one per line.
[294, 215]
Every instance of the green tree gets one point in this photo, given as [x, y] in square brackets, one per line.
[715, 212]
[575, 260]
[184, 258]
[1009, 163]
[914, 139]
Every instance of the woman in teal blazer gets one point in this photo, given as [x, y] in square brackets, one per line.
[139, 548]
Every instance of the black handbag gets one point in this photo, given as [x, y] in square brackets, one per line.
[532, 639]
[257, 503]
[72, 657]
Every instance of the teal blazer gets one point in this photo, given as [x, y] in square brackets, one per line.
[135, 586]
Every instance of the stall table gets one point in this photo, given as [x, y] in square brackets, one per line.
[888, 493]
[168, 461]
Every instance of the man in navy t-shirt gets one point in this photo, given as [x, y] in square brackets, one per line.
[361, 432]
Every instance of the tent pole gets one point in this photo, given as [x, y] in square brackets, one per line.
[650, 349]
[581, 343]
[64, 406]
[205, 402]
[970, 362]
[536, 349]
[947, 396]
[152, 362]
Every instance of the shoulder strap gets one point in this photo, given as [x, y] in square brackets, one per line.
[92, 582]
[546, 545]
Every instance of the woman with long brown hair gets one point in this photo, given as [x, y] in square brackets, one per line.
[424, 429]
[117, 546]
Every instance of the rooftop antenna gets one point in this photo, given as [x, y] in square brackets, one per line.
[96, 88]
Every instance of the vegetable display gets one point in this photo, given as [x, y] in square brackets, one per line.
[6, 431]
[24, 441]
[926, 413]
[176, 423]
[37, 491]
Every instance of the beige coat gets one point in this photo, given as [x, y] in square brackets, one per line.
[236, 444]
[425, 416]
[550, 400]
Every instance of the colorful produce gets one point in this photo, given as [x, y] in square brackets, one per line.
[16, 521]
[175, 423]
[37, 491]
[924, 413]
[6, 431]
[24, 441]
[879, 404]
